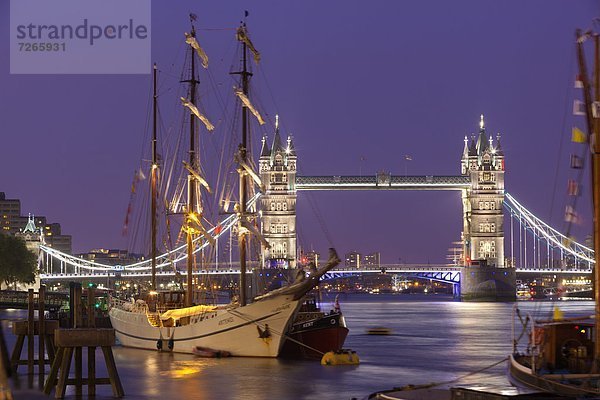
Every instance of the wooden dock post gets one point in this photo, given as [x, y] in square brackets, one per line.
[73, 340]
[41, 335]
[42, 328]
[30, 332]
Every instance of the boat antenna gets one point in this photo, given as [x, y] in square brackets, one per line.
[243, 156]
[154, 177]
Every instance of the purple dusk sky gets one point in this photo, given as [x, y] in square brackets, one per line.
[370, 80]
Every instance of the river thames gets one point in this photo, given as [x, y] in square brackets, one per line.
[434, 339]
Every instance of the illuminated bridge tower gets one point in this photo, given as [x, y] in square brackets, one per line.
[483, 230]
[277, 166]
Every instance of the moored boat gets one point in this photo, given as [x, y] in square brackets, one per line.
[562, 355]
[255, 329]
[315, 332]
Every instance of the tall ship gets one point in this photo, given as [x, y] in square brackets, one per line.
[562, 355]
[171, 320]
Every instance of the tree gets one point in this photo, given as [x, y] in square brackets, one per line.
[17, 262]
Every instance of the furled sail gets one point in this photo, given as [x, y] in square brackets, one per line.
[250, 172]
[194, 110]
[197, 176]
[191, 40]
[239, 93]
[252, 229]
[186, 312]
[243, 37]
[198, 228]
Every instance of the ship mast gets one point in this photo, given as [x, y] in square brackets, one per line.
[243, 154]
[154, 177]
[191, 181]
[593, 126]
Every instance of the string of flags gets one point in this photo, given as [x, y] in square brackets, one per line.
[576, 162]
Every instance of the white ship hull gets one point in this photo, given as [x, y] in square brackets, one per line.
[236, 330]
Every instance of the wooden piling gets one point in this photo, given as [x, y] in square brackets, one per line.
[91, 308]
[42, 328]
[69, 341]
[41, 334]
[30, 332]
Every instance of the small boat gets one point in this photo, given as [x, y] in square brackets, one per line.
[380, 330]
[315, 332]
[207, 352]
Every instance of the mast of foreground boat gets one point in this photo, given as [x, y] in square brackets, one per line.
[593, 125]
[596, 177]
[191, 181]
[154, 173]
[243, 154]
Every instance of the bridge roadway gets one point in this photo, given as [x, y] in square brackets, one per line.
[434, 271]
[383, 181]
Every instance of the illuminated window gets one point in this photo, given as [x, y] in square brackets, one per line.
[278, 206]
[272, 206]
[487, 249]
[284, 206]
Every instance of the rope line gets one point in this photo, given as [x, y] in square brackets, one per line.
[434, 384]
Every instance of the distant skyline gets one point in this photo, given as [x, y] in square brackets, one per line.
[363, 87]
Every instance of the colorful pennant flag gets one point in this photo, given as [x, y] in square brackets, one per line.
[573, 188]
[578, 136]
[578, 107]
[576, 162]
[126, 223]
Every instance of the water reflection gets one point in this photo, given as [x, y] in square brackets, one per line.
[435, 340]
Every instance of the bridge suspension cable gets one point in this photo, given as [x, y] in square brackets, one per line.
[167, 259]
[545, 231]
[531, 223]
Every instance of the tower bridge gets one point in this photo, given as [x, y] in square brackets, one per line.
[489, 257]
